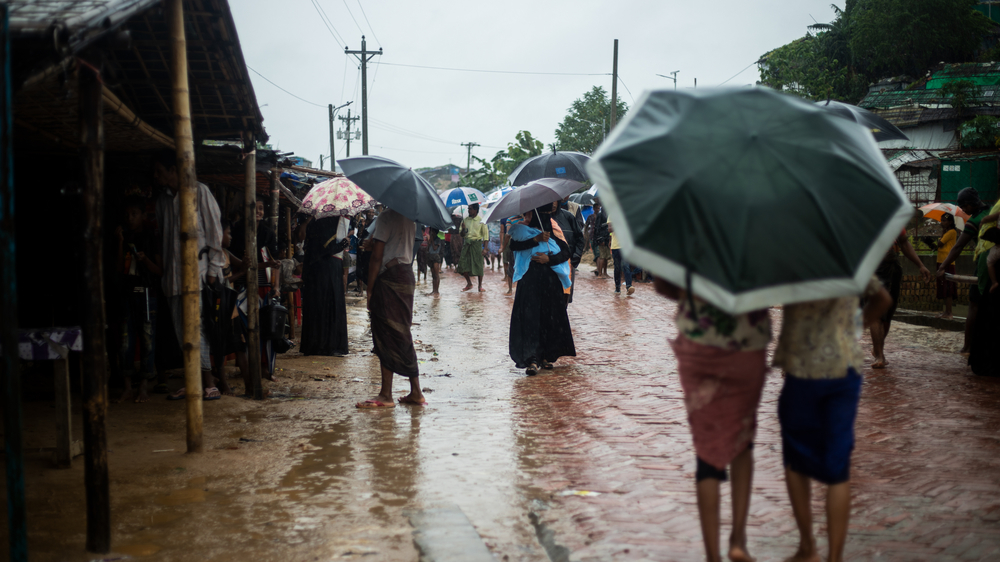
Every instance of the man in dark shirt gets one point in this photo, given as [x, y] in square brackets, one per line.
[572, 227]
[601, 240]
[140, 266]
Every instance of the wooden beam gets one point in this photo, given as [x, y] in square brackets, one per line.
[95, 372]
[190, 277]
[275, 182]
[13, 427]
[250, 259]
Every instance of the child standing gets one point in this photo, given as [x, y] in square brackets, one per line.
[139, 266]
[435, 255]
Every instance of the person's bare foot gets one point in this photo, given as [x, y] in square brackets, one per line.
[127, 396]
[224, 387]
[377, 402]
[467, 288]
[738, 553]
[142, 396]
[801, 556]
[482, 290]
[508, 293]
[412, 400]
[879, 363]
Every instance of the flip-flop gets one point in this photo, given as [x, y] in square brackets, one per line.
[531, 370]
[403, 400]
[178, 394]
[548, 366]
[209, 396]
[373, 404]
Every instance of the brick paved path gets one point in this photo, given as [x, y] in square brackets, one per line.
[926, 468]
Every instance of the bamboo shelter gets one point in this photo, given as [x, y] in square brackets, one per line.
[97, 86]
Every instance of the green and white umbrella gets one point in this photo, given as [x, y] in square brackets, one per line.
[749, 197]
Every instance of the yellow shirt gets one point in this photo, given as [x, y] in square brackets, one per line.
[947, 242]
[983, 245]
[614, 240]
[475, 229]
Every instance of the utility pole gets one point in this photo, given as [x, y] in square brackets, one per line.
[320, 161]
[614, 88]
[468, 161]
[333, 153]
[673, 77]
[364, 56]
[347, 134]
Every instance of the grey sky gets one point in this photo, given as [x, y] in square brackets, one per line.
[287, 42]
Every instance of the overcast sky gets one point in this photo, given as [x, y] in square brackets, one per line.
[419, 116]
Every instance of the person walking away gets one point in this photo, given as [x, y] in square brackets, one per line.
[539, 325]
[890, 273]
[140, 265]
[622, 269]
[722, 361]
[211, 259]
[422, 240]
[493, 248]
[435, 254]
[602, 238]
[474, 234]
[508, 257]
[970, 203]
[947, 290]
[390, 304]
[324, 305]
[819, 353]
[572, 227]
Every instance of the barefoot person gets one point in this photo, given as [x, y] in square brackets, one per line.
[474, 234]
[890, 273]
[722, 361]
[946, 290]
[819, 352]
[435, 256]
[390, 305]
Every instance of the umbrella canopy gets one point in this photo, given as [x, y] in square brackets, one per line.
[749, 197]
[336, 197]
[462, 196]
[494, 196]
[937, 210]
[584, 198]
[399, 188]
[535, 194]
[562, 165]
[882, 129]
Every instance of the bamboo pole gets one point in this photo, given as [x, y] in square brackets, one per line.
[17, 520]
[275, 180]
[95, 372]
[250, 259]
[190, 278]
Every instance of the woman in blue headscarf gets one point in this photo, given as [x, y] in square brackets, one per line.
[539, 325]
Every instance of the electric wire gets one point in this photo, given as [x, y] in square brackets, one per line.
[284, 90]
[343, 81]
[626, 88]
[329, 24]
[369, 23]
[740, 72]
[498, 71]
[353, 18]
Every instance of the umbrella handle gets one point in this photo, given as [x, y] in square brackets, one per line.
[687, 287]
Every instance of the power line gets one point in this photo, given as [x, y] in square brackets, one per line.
[329, 26]
[498, 71]
[352, 17]
[626, 88]
[741, 72]
[408, 150]
[284, 90]
[372, 85]
[368, 22]
[343, 82]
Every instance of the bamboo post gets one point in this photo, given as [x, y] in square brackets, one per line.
[250, 259]
[17, 519]
[190, 277]
[95, 372]
[275, 179]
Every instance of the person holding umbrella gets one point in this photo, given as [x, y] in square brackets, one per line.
[474, 234]
[946, 290]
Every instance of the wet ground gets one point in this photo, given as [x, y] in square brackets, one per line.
[591, 461]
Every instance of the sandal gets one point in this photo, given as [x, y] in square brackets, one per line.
[212, 393]
[178, 394]
[548, 366]
[532, 370]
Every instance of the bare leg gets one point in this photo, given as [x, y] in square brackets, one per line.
[798, 493]
[481, 289]
[878, 345]
[128, 394]
[708, 512]
[143, 394]
[838, 513]
[741, 471]
[416, 395]
[435, 278]
[385, 392]
[468, 281]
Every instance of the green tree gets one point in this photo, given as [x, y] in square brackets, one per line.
[961, 94]
[494, 172]
[587, 122]
[981, 132]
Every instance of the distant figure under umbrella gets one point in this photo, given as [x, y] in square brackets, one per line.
[324, 304]
[474, 234]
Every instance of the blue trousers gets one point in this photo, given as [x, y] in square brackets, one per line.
[621, 268]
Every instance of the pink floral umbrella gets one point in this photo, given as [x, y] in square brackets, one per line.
[337, 197]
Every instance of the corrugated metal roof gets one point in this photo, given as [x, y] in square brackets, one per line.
[986, 75]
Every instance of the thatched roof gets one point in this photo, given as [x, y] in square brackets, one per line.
[50, 37]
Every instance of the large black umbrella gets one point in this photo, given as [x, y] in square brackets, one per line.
[555, 164]
[882, 129]
[399, 188]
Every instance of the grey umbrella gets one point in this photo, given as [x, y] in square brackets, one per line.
[882, 129]
[562, 165]
[399, 188]
[535, 194]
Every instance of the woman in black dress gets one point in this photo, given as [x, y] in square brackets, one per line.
[324, 309]
[539, 325]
